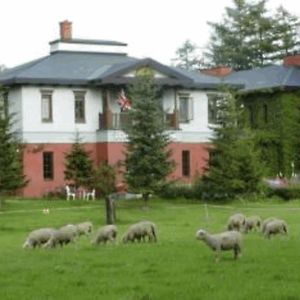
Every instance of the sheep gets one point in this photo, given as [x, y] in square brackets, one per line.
[265, 222]
[84, 228]
[140, 231]
[275, 227]
[104, 234]
[253, 222]
[62, 236]
[236, 222]
[38, 237]
[222, 241]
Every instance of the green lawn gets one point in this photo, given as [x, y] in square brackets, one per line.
[177, 267]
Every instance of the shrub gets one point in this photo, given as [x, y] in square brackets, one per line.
[287, 193]
[177, 190]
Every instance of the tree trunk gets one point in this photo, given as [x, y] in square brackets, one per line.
[110, 210]
[146, 198]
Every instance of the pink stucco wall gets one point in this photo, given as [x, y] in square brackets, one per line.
[112, 152]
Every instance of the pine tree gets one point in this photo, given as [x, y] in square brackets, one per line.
[187, 57]
[11, 168]
[234, 167]
[147, 157]
[78, 165]
[251, 36]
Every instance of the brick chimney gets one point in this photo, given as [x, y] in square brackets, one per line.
[219, 71]
[292, 60]
[65, 30]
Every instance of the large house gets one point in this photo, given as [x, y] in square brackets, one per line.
[75, 90]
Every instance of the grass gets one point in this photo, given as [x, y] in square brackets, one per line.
[177, 267]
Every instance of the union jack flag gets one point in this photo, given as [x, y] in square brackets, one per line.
[123, 101]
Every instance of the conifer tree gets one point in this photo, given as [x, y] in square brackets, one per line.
[104, 179]
[187, 57]
[11, 168]
[147, 156]
[252, 36]
[78, 165]
[234, 168]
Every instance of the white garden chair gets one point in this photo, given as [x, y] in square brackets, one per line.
[69, 193]
[91, 194]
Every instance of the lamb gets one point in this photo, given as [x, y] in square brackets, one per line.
[253, 222]
[140, 231]
[275, 227]
[222, 241]
[84, 228]
[104, 234]
[236, 222]
[62, 236]
[38, 237]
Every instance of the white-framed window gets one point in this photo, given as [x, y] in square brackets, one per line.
[79, 106]
[214, 100]
[185, 108]
[46, 104]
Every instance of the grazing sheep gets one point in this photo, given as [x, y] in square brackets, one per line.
[38, 237]
[253, 222]
[275, 227]
[265, 222]
[236, 222]
[62, 236]
[104, 234]
[84, 228]
[228, 240]
[140, 231]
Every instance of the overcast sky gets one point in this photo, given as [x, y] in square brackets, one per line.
[152, 28]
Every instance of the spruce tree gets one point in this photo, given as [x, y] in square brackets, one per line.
[78, 165]
[147, 158]
[234, 168]
[187, 57]
[252, 36]
[11, 168]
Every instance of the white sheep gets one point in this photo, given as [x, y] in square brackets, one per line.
[139, 231]
[38, 237]
[62, 236]
[228, 240]
[105, 234]
[236, 222]
[265, 222]
[84, 228]
[253, 222]
[275, 227]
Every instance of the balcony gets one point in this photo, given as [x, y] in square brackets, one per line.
[119, 121]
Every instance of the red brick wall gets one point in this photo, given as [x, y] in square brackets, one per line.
[112, 152]
[33, 167]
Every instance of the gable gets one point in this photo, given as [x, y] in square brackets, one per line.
[164, 75]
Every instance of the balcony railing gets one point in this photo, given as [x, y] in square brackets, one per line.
[119, 121]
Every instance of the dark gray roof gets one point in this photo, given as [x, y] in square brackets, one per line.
[204, 81]
[86, 68]
[63, 68]
[89, 42]
[270, 77]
